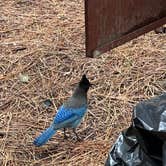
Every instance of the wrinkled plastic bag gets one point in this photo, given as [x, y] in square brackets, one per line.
[144, 142]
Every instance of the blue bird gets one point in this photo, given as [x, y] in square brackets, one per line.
[69, 115]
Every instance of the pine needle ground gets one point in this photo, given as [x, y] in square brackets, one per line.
[45, 40]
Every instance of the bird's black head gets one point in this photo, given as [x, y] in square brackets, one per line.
[84, 83]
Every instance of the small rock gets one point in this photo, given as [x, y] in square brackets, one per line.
[48, 103]
[24, 78]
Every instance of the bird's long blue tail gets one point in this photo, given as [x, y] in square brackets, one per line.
[44, 137]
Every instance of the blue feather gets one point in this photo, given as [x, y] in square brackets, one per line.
[69, 114]
[44, 137]
[65, 118]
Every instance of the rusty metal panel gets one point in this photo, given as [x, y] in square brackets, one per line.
[110, 23]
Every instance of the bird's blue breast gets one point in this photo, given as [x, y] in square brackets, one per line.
[65, 113]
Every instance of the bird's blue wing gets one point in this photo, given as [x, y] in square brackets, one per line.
[66, 123]
[66, 117]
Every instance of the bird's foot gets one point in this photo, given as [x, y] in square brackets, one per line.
[65, 136]
[78, 138]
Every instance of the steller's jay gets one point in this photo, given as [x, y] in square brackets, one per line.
[69, 115]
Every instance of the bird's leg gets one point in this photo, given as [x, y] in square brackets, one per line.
[65, 136]
[74, 131]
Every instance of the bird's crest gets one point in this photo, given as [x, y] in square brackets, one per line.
[84, 83]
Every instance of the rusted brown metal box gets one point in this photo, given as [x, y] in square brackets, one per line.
[110, 23]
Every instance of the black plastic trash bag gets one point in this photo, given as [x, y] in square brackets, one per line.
[144, 142]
